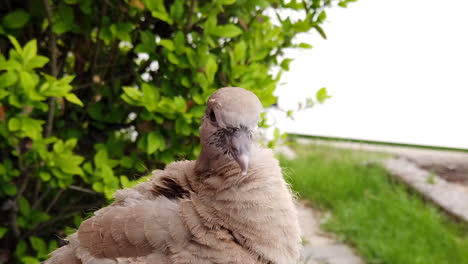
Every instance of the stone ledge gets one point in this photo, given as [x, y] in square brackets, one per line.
[451, 197]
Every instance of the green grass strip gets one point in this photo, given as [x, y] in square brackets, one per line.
[385, 222]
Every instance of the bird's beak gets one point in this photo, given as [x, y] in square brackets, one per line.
[240, 145]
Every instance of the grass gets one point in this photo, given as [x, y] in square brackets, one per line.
[385, 222]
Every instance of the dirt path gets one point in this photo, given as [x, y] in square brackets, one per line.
[320, 247]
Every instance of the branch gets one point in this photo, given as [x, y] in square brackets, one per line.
[257, 13]
[22, 188]
[41, 226]
[52, 203]
[81, 189]
[98, 40]
[53, 66]
[43, 195]
[190, 15]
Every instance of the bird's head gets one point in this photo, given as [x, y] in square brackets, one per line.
[230, 119]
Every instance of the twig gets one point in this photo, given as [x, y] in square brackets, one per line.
[306, 8]
[14, 224]
[53, 66]
[86, 85]
[257, 13]
[44, 195]
[8, 5]
[81, 189]
[98, 40]
[36, 229]
[37, 189]
[24, 184]
[52, 203]
[190, 15]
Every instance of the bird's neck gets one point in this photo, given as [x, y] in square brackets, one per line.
[208, 161]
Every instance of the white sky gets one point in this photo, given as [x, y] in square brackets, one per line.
[397, 71]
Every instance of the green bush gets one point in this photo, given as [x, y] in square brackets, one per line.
[94, 94]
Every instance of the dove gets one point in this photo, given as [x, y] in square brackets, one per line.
[231, 205]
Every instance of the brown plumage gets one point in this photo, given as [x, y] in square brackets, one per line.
[232, 205]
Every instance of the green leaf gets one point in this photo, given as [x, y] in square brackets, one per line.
[122, 31]
[173, 58]
[39, 216]
[107, 174]
[37, 62]
[39, 245]
[53, 243]
[8, 79]
[132, 93]
[180, 104]
[322, 95]
[305, 45]
[225, 2]
[32, 127]
[27, 81]
[16, 19]
[177, 9]
[21, 248]
[179, 42]
[285, 64]
[228, 31]
[72, 98]
[184, 80]
[320, 31]
[126, 162]
[343, 4]
[3, 231]
[45, 176]
[9, 189]
[322, 17]
[58, 147]
[14, 124]
[98, 187]
[211, 68]
[125, 182]
[155, 142]
[167, 43]
[71, 2]
[24, 206]
[29, 260]
[70, 144]
[150, 96]
[101, 157]
[158, 10]
[29, 51]
[210, 23]
[181, 127]
[86, 6]
[15, 44]
[148, 43]
[64, 20]
[70, 164]
[240, 51]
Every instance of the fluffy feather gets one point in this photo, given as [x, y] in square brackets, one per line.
[190, 213]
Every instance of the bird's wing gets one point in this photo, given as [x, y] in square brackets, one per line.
[131, 231]
[171, 182]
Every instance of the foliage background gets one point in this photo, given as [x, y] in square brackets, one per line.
[95, 94]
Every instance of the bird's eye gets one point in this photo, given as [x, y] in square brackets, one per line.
[212, 116]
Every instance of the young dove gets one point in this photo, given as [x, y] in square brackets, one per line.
[231, 205]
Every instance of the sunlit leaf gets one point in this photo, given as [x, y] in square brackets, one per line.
[72, 98]
[322, 95]
[228, 31]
